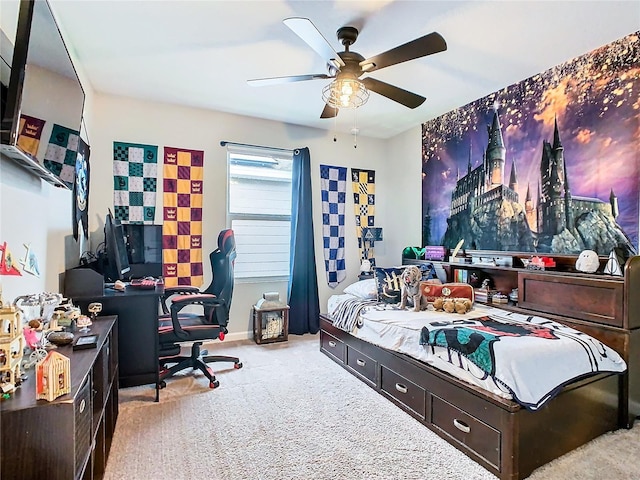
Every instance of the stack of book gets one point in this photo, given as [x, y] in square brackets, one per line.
[481, 295]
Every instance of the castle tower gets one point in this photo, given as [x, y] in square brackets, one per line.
[513, 179]
[568, 203]
[530, 211]
[613, 200]
[495, 153]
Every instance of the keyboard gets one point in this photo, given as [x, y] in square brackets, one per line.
[143, 283]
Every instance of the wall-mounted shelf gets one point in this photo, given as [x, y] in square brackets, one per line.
[31, 165]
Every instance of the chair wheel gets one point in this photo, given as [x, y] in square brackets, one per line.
[214, 384]
[237, 365]
[161, 384]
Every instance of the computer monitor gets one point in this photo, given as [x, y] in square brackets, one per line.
[116, 250]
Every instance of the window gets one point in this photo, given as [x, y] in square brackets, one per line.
[259, 210]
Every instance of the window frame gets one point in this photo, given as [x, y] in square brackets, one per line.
[273, 153]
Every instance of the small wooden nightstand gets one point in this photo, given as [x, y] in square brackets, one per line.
[270, 324]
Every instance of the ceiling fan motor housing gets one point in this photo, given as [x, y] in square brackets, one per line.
[347, 35]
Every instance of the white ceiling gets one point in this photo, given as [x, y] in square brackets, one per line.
[200, 53]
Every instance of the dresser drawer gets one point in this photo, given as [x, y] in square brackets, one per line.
[83, 414]
[362, 364]
[467, 430]
[331, 345]
[408, 393]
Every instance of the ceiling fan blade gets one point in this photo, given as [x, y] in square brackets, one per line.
[329, 112]
[408, 99]
[307, 31]
[260, 82]
[420, 47]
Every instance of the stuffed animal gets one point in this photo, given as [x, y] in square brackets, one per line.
[411, 293]
[587, 261]
[451, 305]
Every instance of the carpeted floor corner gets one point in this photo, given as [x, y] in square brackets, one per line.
[292, 414]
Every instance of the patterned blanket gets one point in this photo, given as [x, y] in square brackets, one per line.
[346, 315]
[533, 357]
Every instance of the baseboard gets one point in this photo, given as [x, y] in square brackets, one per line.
[185, 348]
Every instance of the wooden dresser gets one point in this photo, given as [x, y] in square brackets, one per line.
[70, 437]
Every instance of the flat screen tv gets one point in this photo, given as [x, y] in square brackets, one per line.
[40, 87]
[117, 267]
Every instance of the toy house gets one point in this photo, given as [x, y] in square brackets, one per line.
[11, 348]
[53, 376]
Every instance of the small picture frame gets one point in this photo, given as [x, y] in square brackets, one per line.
[85, 341]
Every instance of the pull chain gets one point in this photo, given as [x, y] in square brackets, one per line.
[355, 128]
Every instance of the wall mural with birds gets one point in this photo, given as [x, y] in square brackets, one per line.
[550, 164]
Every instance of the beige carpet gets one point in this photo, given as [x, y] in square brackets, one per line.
[291, 413]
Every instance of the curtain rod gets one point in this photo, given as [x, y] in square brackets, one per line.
[224, 143]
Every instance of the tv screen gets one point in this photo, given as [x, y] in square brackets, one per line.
[43, 98]
[116, 249]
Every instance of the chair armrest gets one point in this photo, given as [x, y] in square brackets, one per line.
[180, 290]
[209, 302]
[172, 291]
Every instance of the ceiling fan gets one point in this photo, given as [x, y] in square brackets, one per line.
[350, 66]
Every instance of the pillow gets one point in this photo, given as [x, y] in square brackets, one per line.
[388, 284]
[365, 289]
[431, 291]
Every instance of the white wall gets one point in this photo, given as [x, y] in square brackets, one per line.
[404, 226]
[126, 120]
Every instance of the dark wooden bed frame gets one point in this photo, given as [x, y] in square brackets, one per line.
[508, 440]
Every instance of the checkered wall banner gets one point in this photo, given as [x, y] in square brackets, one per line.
[182, 217]
[60, 157]
[333, 181]
[364, 199]
[135, 181]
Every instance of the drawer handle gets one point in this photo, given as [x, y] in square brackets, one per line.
[82, 405]
[332, 344]
[360, 362]
[401, 388]
[463, 427]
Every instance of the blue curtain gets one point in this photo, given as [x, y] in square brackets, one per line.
[304, 304]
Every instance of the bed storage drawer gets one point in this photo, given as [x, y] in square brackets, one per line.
[466, 430]
[362, 364]
[406, 392]
[331, 345]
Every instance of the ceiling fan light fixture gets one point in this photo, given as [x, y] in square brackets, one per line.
[345, 92]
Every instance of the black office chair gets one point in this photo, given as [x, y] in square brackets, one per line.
[215, 301]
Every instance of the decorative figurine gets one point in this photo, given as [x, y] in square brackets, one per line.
[83, 323]
[94, 309]
[11, 348]
[53, 376]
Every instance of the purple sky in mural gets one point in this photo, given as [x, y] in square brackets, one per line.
[596, 100]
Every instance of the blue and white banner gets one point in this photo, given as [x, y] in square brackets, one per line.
[334, 192]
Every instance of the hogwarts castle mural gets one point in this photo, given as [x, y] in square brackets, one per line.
[549, 165]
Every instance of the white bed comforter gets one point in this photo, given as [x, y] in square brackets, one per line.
[527, 358]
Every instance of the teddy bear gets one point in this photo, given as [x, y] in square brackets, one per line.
[451, 305]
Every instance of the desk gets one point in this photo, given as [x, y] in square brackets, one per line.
[137, 312]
